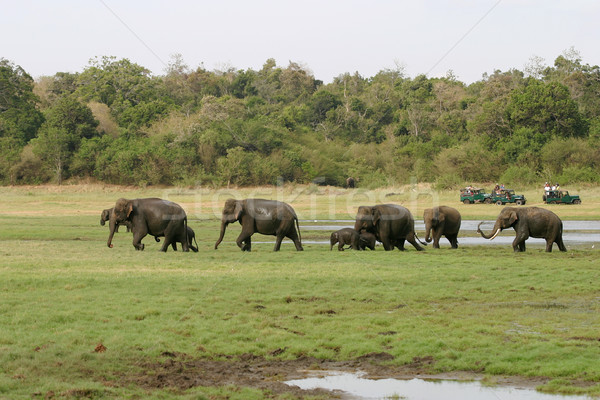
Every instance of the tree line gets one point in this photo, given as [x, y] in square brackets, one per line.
[115, 122]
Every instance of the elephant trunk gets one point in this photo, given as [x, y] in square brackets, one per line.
[113, 227]
[497, 230]
[428, 233]
[223, 228]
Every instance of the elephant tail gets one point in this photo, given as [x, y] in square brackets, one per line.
[298, 228]
[187, 240]
[420, 241]
[559, 239]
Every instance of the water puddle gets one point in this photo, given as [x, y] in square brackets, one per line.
[354, 386]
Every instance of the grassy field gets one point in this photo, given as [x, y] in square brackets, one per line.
[79, 320]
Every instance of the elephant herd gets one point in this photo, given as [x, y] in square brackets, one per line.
[390, 224]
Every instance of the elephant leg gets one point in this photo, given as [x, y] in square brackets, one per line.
[166, 244]
[354, 242]
[243, 241]
[293, 236]
[400, 244]
[174, 246]
[137, 239]
[278, 242]
[453, 239]
[561, 245]
[387, 244]
[518, 246]
[436, 239]
[247, 244]
[549, 243]
[183, 239]
[191, 240]
[341, 244]
[519, 242]
[412, 240]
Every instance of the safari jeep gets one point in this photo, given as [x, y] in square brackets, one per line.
[470, 196]
[561, 197]
[508, 196]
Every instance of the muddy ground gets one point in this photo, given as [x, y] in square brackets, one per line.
[181, 372]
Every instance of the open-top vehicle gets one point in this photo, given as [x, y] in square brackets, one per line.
[473, 195]
[561, 197]
[504, 196]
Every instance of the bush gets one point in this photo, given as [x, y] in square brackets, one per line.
[578, 175]
[448, 181]
[470, 160]
[519, 176]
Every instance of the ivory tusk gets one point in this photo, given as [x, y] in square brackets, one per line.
[495, 234]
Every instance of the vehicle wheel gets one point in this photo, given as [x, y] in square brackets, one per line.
[544, 198]
[488, 201]
[519, 202]
[467, 201]
[499, 203]
[576, 201]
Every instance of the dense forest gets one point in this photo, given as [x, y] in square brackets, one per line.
[117, 123]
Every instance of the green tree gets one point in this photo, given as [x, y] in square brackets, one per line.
[68, 123]
[547, 108]
[19, 117]
[134, 97]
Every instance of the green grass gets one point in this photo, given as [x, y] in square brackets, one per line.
[481, 309]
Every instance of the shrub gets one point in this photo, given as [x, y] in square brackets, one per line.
[578, 175]
[519, 176]
[448, 181]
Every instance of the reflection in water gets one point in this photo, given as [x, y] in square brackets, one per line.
[418, 389]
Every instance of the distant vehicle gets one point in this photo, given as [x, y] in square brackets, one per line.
[473, 195]
[508, 196]
[560, 197]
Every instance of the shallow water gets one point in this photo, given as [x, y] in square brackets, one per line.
[355, 386]
[574, 232]
[466, 225]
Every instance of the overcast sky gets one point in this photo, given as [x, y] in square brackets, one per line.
[328, 37]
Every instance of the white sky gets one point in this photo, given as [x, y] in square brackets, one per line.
[329, 37]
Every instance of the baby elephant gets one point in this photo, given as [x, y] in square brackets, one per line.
[366, 239]
[356, 241]
[191, 235]
[105, 217]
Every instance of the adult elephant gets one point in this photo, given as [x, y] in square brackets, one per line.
[105, 217]
[442, 221]
[529, 222]
[152, 216]
[267, 217]
[391, 224]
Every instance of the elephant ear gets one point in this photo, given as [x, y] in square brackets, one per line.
[237, 212]
[129, 209]
[376, 214]
[513, 217]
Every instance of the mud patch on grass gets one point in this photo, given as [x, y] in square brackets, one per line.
[181, 372]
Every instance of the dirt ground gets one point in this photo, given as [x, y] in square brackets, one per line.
[179, 371]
